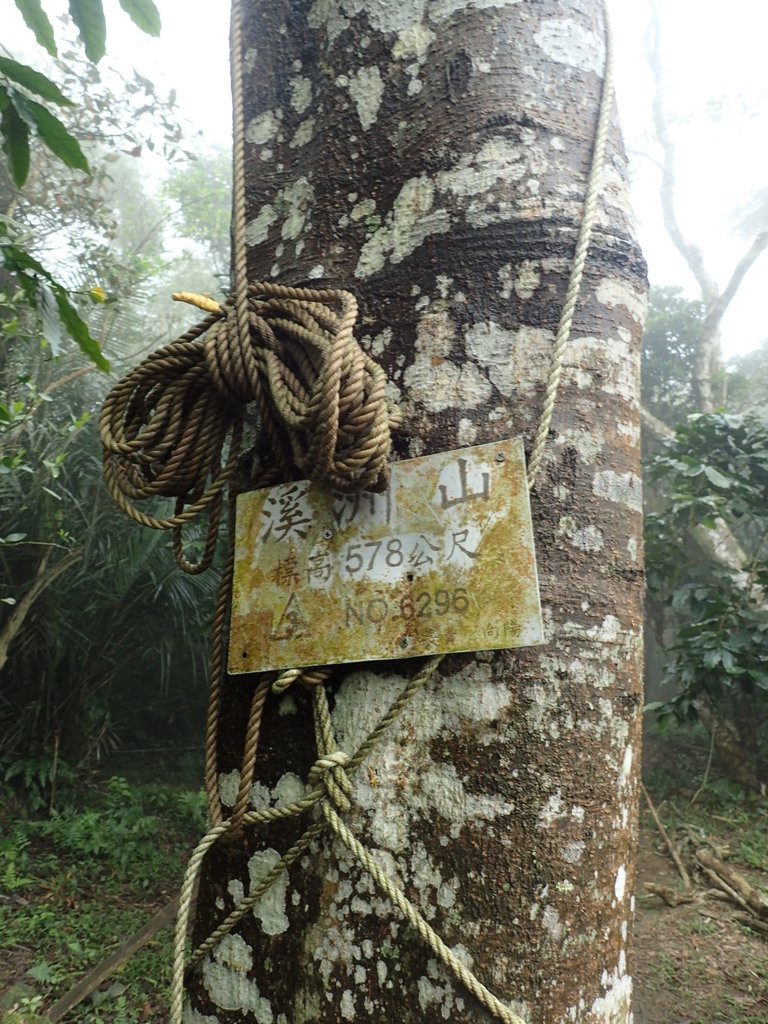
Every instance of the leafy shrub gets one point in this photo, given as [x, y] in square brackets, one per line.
[715, 475]
[126, 828]
[38, 778]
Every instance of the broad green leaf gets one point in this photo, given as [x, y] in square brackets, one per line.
[26, 281]
[56, 137]
[31, 273]
[49, 316]
[37, 20]
[78, 329]
[716, 477]
[15, 142]
[18, 260]
[88, 15]
[33, 81]
[144, 14]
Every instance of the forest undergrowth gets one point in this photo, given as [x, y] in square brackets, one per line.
[77, 880]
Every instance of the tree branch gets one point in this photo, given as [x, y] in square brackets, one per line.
[707, 356]
[673, 851]
[734, 884]
[707, 351]
[690, 253]
[717, 309]
[44, 578]
[56, 384]
[657, 428]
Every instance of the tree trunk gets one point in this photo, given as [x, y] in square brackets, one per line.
[431, 156]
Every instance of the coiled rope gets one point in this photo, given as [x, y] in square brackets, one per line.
[173, 428]
[320, 399]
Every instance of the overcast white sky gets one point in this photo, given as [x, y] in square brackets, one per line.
[712, 52]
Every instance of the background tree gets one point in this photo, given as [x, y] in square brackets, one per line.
[716, 469]
[201, 194]
[693, 488]
[670, 338]
[87, 610]
[435, 159]
[708, 380]
[748, 382]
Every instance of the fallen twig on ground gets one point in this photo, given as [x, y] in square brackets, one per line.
[673, 851]
[761, 927]
[735, 884]
[108, 966]
[672, 897]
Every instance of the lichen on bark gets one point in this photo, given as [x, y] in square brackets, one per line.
[441, 179]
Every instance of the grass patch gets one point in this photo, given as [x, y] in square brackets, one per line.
[77, 883]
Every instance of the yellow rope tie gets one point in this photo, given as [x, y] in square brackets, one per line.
[308, 677]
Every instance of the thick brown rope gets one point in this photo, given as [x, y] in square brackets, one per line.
[216, 682]
[250, 748]
[321, 400]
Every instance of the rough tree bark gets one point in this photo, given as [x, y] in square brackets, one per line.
[431, 155]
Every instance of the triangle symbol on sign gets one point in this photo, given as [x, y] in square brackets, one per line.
[291, 623]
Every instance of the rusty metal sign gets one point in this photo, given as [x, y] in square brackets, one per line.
[443, 561]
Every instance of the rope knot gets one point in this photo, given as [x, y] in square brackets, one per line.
[308, 677]
[328, 771]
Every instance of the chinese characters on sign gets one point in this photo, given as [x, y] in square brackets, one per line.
[443, 561]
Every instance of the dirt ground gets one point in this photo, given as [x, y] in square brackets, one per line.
[694, 964]
[697, 963]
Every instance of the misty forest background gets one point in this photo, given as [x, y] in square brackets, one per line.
[108, 203]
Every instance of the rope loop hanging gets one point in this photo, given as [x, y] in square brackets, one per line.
[173, 427]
